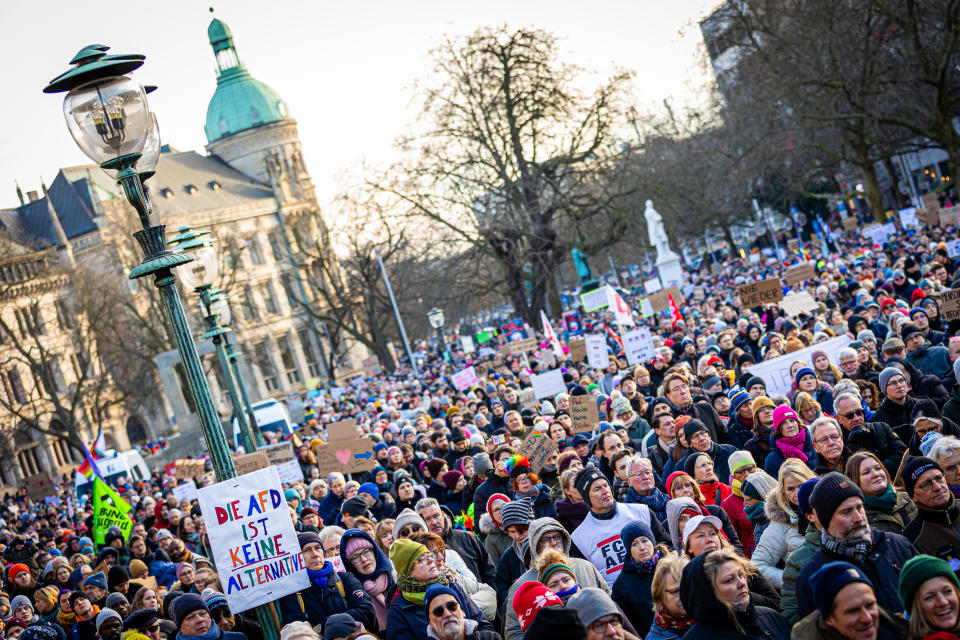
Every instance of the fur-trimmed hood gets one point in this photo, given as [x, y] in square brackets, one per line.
[776, 514]
[487, 526]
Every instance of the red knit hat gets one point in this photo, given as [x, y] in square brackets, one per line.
[917, 295]
[15, 569]
[496, 496]
[886, 302]
[673, 476]
[530, 598]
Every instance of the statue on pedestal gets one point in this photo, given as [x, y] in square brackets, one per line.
[658, 235]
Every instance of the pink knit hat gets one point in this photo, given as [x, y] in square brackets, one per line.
[780, 414]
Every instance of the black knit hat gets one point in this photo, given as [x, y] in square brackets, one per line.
[434, 465]
[185, 605]
[555, 622]
[907, 329]
[692, 427]
[691, 463]
[307, 537]
[916, 467]
[830, 492]
[585, 480]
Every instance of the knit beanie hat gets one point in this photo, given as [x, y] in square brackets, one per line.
[16, 569]
[592, 604]
[620, 405]
[914, 468]
[907, 329]
[355, 543]
[116, 598]
[557, 566]
[737, 398]
[19, 601]
[739, 459]
[673, 476]
[435, 590]
[370, 488]
[585, 480]
[482, 464]
[404, 518]
[829, 579]
[434, 466]
[137, 568]
[758, 485]
[97, 580]
[803, 371]
[556, 622]
[105, 614]
[404, 553]
[780, 414]
[633, 530]
[47, 594]
[692, 427]
[529, 598]
[308, 537]
[829, 493]
[182, 607]
[918, 570]
[355, 506]
[182, 567]
[517, 512]
[10, 623]
[759, 403]
[803, 495]
[691, 463]
[450, 480]
[930, 439]
[213, 599]
[885, 376]
[339, 625]
[490, 504]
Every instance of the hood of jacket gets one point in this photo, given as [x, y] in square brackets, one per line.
[541, 526]
[698, 599]
[776, 514]
[674, 508]
[383, 562]
[487, 525]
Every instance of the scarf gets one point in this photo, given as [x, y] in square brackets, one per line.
[414, 590]
[66, 620]
[563, 595]
[735, 487]
[955, 490]
[756, 512]
[375, 589]
[605, 516]
[650, 564]
[213, 633]
[666, 621]
[885, 502]
[532, 492]
[711, 489]
[320, 578]
[793, 447]
[856, 552]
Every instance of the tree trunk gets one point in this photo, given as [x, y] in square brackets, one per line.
[898, 197]
[734, 250]
[871, 191]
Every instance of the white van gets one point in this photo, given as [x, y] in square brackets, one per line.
[271, 415]
[127, 464]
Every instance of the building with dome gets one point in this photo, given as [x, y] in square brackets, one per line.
[249, 189]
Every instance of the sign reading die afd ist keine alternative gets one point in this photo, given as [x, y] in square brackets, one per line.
[254, 544]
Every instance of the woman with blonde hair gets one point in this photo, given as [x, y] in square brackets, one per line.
[782, 534]
[670, 619]
[930, 592]
[887, 509]
[384, 537]
[807, 408]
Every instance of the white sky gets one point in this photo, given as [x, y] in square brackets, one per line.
[345, 69]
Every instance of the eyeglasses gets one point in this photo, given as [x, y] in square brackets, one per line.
[850, 415]
[451, 606]
[152, 628]
[834, 438]
[897, 382]
[363, 553]
[409, 531]
[426, 559]
[602, 623]
[554, 539]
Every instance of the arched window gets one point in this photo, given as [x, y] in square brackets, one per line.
[136, 432]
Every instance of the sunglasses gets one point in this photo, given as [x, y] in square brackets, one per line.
[451, 606]
[409, 531]
[850, 415]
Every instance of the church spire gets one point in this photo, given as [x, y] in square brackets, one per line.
[221, 39]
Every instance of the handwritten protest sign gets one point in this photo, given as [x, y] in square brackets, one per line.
[282, 457]
[950, 217]
[248, 462]
[584, 412]
[345, 451]
[776, 372]
[593, 300]
[597, 352]
[766, 291]
[465, 378]
[799, 273]
[251, 535]
[466, 344]
[652, 285]
[528, 399]
[537, 447]
[797, 303]
[519, 347]
[109, 510]
[548, 384]
[908, 217]
[578, 350]
[850, 224]
[39, 486]
[660, 300]
[185, 491]
[953, 248]
[638, 345]
[548, 359]
[879, 234]
[950, 304]
[188, 469]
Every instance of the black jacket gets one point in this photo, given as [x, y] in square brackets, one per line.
[315, 604]
[472, 552]
[880, 439]
[631, 592]
[493, 484]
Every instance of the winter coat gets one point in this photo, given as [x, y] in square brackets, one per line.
[659, 633]
[495, 540]
[892, 626]
[936, 532]
[733, 507]
[895, 414]
[571, 514]
[632, 593]
[933, 360]
[904, 511]
[778, 541]
[719, 453]
[472, 552]
[315, 604]
[656, 502]
[884, 561]
[408, 621]
[510, 567]
[776, 458]
[713, 621]
[223, 635]
[951, 409]
[877, 438]
[542, 505]
[795, 562]
[760, 446]
[383, 566]
[329, 508]
[493, 484]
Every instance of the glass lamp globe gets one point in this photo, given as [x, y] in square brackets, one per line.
[203, 270]
[151, 147]
[108, 118]
[221, 307]
[435, 316]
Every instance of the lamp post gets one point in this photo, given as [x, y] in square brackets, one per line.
[435, 316]
[109, 118]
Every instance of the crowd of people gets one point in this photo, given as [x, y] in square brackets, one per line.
[706, 502]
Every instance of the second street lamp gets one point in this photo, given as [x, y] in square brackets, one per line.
[435, 316]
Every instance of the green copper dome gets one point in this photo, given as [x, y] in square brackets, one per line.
[240, 101]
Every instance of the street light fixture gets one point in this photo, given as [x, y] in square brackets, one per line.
[109, 117]
[435, 316]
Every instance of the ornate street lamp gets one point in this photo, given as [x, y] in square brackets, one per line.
[435, 316]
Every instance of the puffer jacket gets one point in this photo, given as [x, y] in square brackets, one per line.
[733, 507]
[904, 511]
[632, 594]
[713, 621]
[778, 541]
[495, 540]
[383, 567]
[933, 360]
[408, 620]
[776, 458]
[795, 562]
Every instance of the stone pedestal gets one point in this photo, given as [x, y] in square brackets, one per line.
[671, 271]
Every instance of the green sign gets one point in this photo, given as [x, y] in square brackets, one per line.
[110, 513]
[484, 336]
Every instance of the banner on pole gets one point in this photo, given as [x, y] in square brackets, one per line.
[109, 510]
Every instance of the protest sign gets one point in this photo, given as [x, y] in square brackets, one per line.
[776, 372]
[537, 447]
[879, 234]
[793, 245]
[572, 323]
[39, 486]
[652, 286]
[345, 451]
[620, 308]
[254, 545]
[548, 359]
[597, 352]
[850, 224]
[466, 344]
[283, 458]
[187, 469]
[519, 347]
[295, 406]
[247, 462]
[185, 491]
[661, 299]
[908, 217]
[754, 258]
[593, 300]
[578, 350]
[799, 273]
[950, 217]
[528, 399]
[953, 248]
[584, 412]
[646, 309]
[371, 366]
[638, 346]
[797, 303]
[481, 369]
[548, 384]
[766, 291]
[950, 304]
[150, 582]
[109, 510]
[337, 392]
[465, 378]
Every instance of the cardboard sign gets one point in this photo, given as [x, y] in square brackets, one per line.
[519, 347]
[584, 412]
[797, 303]
[776, 372]
[371, 366]
[537, 447]
[950, 304]
[345, 451]
[593, 300]
[465, 379]
[150, 582]
[597, 352]
[254, 545]
[548, 384]
[578, 349]
[528, 399]
[793, 245]
[950, 217]
[283, 458]
[953, 248]
[766, 291]
[185, 491]
[799, 273]
[652, 286]
[248, 462]
[187, 469]
[661, 299]
[908, 218]
[638, 346]
[850, 224]
[39, 486]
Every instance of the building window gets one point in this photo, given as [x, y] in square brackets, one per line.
[270, 298]
[287, 284]
[64, 316]
[286, 356]
[16, 385]
[248, 305]
[277, 246]
[253, 250]
[268, 373]
[309, 352]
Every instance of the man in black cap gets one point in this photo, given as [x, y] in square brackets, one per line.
[846, 536]
[699, 441]
[932, 531]
[143, 621]
[329, 592]
[351, 509]
[193, 619]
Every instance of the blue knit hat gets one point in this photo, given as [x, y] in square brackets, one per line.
[435, 590]
[633, 530]
[803, 371]
[97, 579]
[371, 488]
[829, 579]
[737, 397]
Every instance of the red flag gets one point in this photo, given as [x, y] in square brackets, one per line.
[674, 311]
[613, 334]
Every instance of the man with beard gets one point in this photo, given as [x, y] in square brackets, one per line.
[677, 390]
[932, 531]
[846, 536]
[445, 616]
[220, 613]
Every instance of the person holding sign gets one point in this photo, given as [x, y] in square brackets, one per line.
[329, 592]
